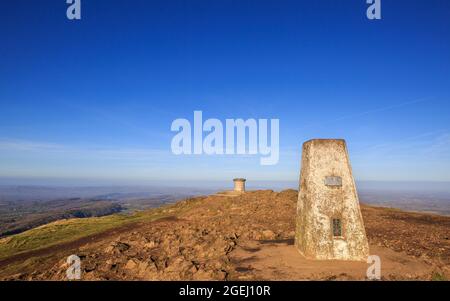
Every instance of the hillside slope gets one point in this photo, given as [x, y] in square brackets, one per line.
[246, 237]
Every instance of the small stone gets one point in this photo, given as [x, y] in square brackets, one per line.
[150, 245]
[122, 247]
[268, 234]
[130, 265]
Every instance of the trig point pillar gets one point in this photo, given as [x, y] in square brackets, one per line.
[329, 220]
[239, 185]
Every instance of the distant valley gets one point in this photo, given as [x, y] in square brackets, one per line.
[429, 202]
[26, 207]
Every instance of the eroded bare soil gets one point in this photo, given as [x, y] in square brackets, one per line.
[242, 238]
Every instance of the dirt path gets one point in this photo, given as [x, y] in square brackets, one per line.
[267, 260]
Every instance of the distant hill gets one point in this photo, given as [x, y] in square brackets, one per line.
[16, 217]
[26, 207]
[418, 201]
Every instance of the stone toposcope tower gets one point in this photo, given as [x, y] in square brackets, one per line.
[329, 223]
[239, 185]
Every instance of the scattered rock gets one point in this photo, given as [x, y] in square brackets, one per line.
[199, 244]
[268, 234]
[150, 245]
[131, 265]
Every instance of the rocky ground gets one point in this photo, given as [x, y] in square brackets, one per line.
[226, 237]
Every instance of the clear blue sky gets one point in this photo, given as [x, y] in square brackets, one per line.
[93, 100]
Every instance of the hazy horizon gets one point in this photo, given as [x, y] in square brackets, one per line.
[425, 186]
[433, 197]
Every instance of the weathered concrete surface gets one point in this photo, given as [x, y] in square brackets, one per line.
[327, 192]
[239, 185]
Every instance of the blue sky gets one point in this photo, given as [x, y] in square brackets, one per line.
[93, 100]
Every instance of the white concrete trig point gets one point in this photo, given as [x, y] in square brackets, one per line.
[239, 184]
[329, 223]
